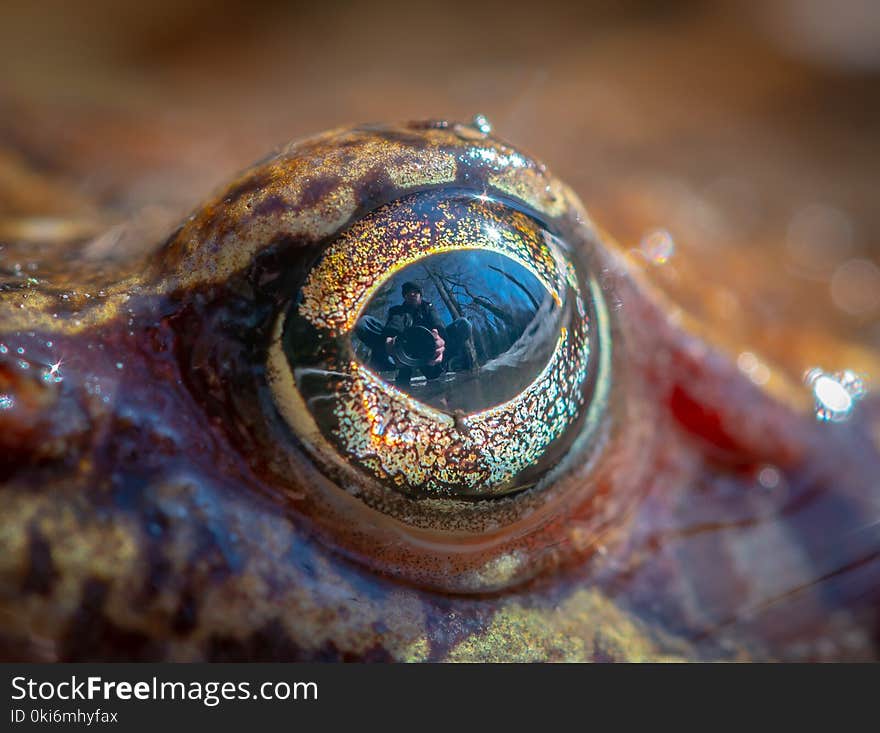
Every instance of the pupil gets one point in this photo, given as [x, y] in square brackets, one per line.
[459, 331]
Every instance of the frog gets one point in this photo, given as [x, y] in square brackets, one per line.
[159, 505]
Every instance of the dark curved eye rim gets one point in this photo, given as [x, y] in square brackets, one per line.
[360, 429]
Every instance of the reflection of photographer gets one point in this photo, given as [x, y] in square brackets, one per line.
[413, 337]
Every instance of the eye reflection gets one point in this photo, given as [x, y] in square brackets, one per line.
[460, 331]
[443, 346]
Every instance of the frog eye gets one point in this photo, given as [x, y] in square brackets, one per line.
[403, 330]
[446, 345]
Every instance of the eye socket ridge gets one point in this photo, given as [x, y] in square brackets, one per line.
[250, 253]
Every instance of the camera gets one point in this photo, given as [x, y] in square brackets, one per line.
[415, 347]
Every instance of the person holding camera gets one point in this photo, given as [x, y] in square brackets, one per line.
[413, 337]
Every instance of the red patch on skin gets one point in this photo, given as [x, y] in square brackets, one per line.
[702, 421]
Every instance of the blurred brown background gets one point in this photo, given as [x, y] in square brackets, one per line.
[747, 130]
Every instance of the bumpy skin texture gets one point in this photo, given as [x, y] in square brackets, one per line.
[156, 506]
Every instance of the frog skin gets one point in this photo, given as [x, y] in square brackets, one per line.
[157, 507]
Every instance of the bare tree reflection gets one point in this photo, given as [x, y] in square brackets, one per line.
[503, 318]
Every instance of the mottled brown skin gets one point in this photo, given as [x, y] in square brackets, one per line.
[180, 519]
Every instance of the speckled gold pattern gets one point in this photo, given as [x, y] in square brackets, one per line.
[521, 634]
[397, 235]
[517, 176]
[388, 434]
[409, 445]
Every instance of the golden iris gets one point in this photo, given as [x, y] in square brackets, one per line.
[446, 345]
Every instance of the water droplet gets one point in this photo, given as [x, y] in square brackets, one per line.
[6, 402]
[657, 246]
[52, 373]
[22, 364]
[19, 350]
[481, 122]
[4, 349]
[477, 129]
[835, 394]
